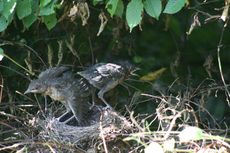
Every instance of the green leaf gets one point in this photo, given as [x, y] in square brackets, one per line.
[111, 7]
[9, 7]
[95, 2]
[1, 53]
[23, 8]
[115, 7]
[1, 6]
[133, 13]
[50, 21]
[173, 6]
[44, 2]
[29, 20]
[48, 9]
[120, 8]
[153, 8]
[3, 23]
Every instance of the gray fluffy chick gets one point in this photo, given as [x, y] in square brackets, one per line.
[106, 76]
[60, 84]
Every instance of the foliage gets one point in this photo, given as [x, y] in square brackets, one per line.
[133, 15]
[135, 9]
[181, 47]
[1, 54]
[174, 6]
[29, 11]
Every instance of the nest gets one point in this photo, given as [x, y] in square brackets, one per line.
[103, 136]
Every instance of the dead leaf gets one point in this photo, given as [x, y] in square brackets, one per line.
[73, 12]
[224, 15]
[81, 9]
[196, 23]
[104, 21]
[83, 12]
[153, 75]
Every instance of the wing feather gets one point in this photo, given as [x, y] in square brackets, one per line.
[54, 72]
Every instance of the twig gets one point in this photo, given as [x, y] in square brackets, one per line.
[152, 96]
[172, 124]
[1, 87]
[135, 122]
[5, 42]
[102, 134]
[90, 46]
[219, 61]
[19, 73]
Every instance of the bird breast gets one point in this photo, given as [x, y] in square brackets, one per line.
[55, 94]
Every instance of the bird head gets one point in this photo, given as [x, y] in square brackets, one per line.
[129, 68]
[36, 86]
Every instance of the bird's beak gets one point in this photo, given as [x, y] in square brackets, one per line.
[137, 69]
[27, 91]
[133, 72]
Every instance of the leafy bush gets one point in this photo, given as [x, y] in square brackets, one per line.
[29, 11]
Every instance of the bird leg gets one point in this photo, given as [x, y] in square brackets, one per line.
[110, 85]
[101, 96]
[77, 110]
[72, 118]
[67, 118]
[68, 114]
[93, 98]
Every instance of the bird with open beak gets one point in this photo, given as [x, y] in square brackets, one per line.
[106, 76]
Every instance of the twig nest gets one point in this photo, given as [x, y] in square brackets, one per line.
[109, 126]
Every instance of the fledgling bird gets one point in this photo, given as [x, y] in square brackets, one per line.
[106, 76]
[61, 85]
